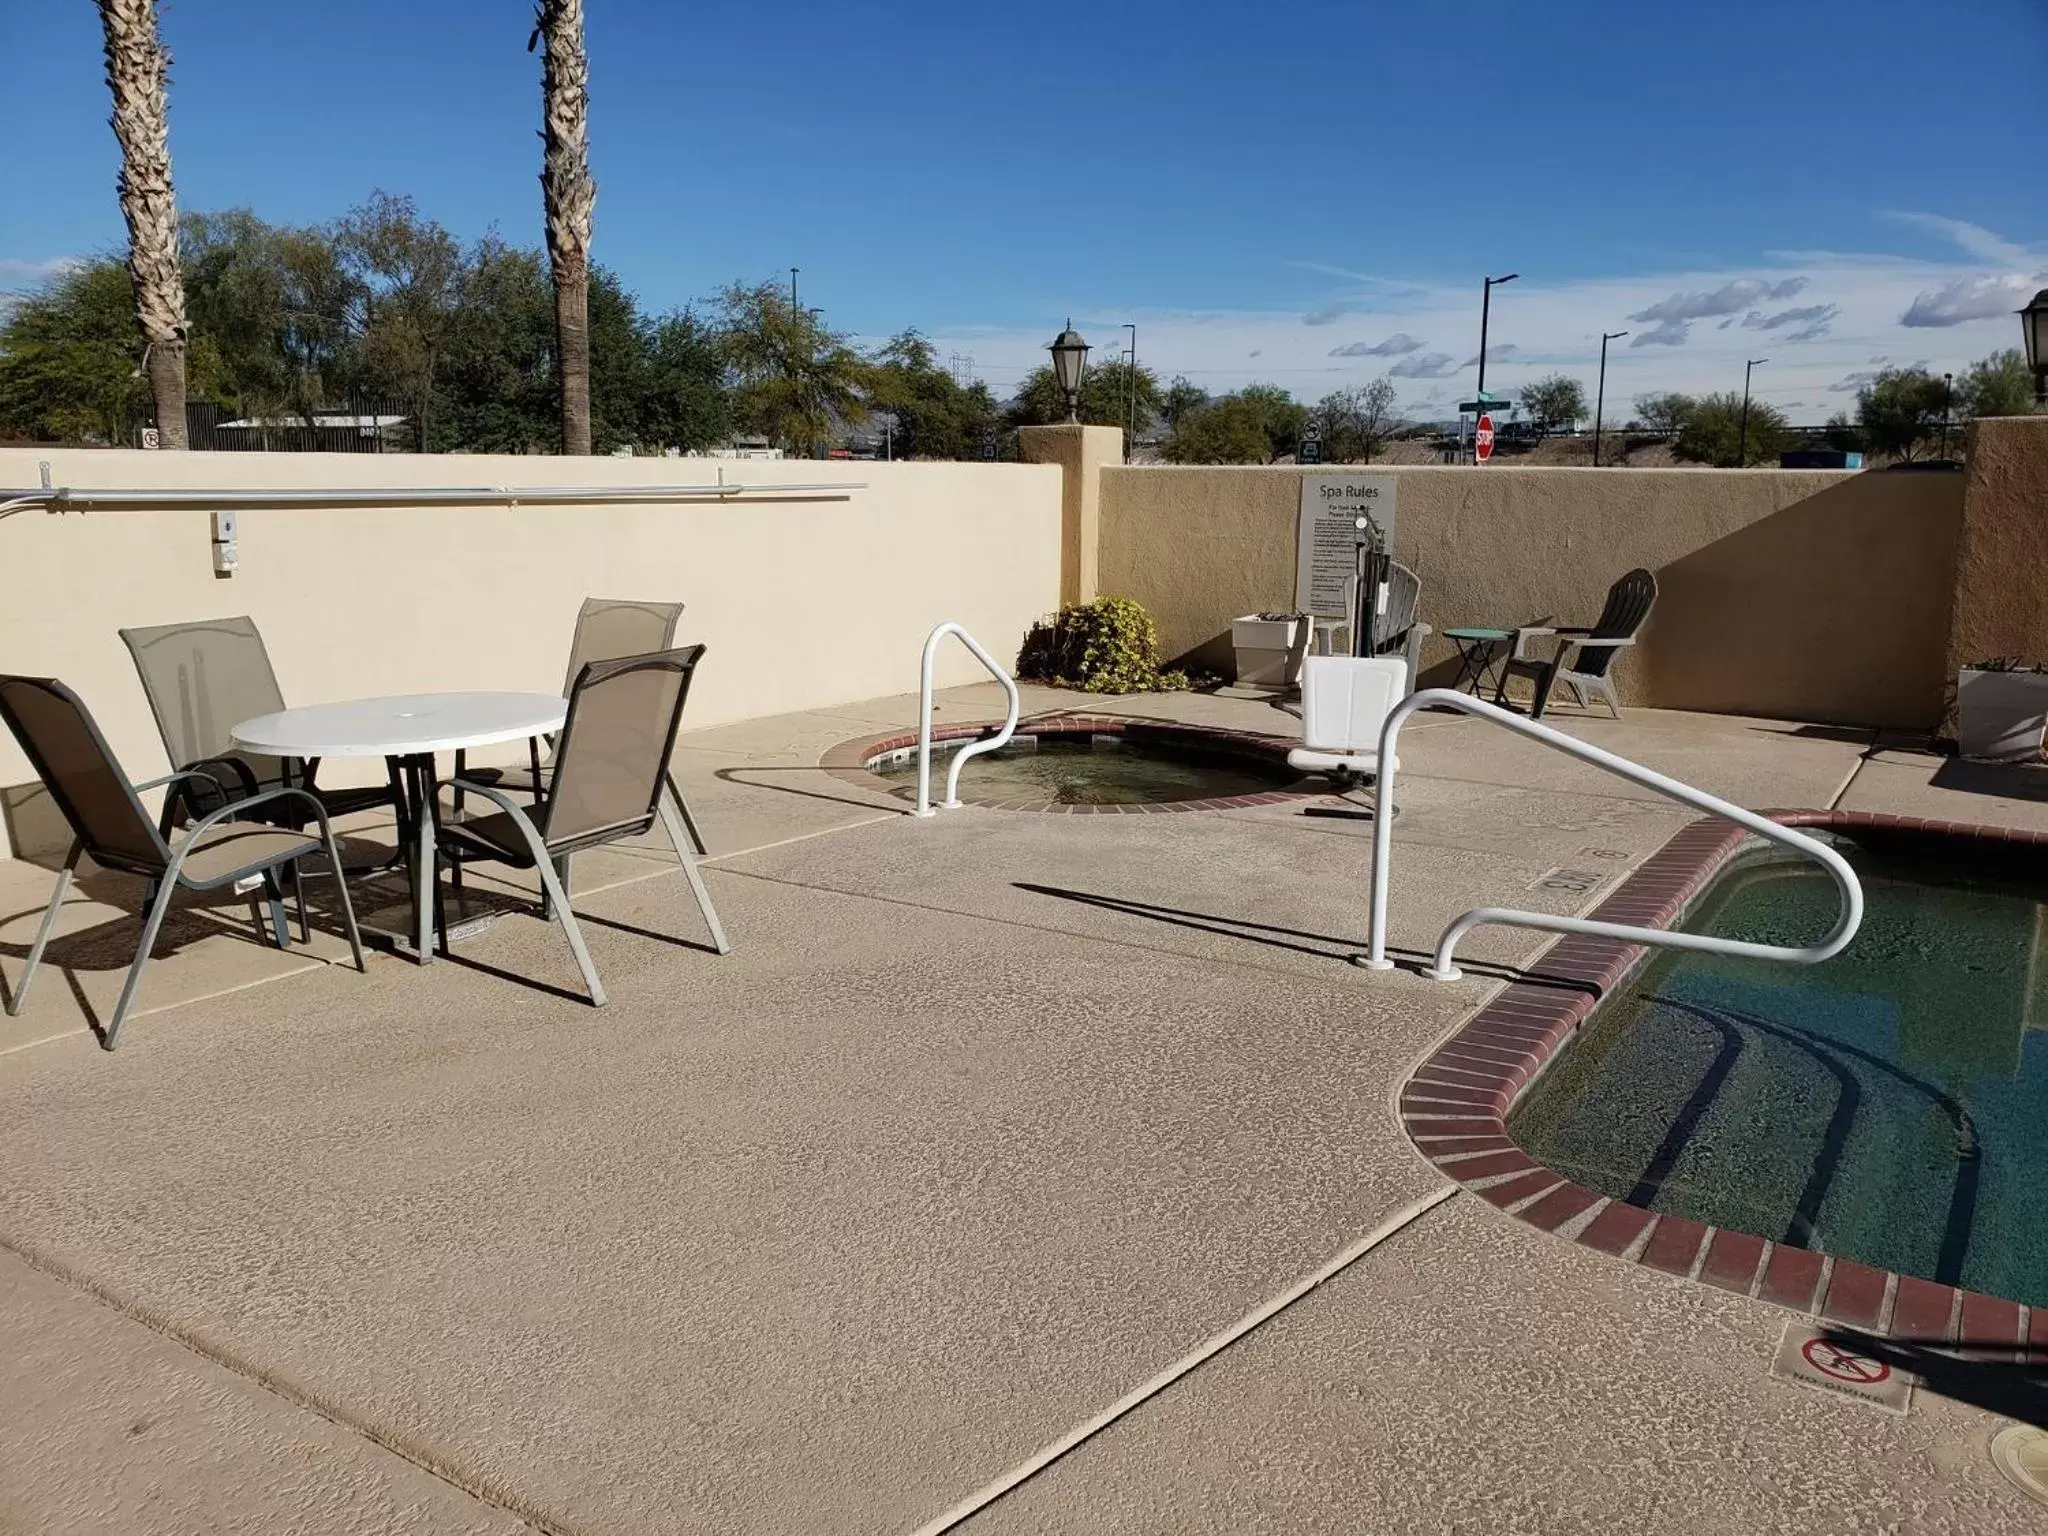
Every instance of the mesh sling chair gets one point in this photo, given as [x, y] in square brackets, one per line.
[606, 629]
[204, 678]
[108, 821]
[1584, 658]
[608, 782]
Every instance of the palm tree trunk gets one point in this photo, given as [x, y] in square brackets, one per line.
[570, 195]
[138, 71]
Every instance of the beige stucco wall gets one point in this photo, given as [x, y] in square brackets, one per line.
[804, 602]
[1794, 594]
[2001, 587]
[1082, 453]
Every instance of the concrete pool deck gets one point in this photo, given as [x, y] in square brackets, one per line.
[987, 1120]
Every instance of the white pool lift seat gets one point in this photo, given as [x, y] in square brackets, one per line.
[1345, 701]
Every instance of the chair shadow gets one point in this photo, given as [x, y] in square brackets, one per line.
[2004, 781]
[1999, 1377]
[1274, 936]
[736, 776]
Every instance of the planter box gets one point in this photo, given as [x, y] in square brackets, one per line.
[1268, 653]
[2001, 715]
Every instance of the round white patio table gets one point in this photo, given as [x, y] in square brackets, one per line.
[406, 731]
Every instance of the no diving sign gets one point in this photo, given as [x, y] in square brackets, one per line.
[1836, 1362]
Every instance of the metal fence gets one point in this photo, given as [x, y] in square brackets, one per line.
[359, 424]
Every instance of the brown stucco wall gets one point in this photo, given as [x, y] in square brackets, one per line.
[2001, 583]
[1792, 594]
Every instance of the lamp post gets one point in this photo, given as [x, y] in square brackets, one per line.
[1485, 309]
[792, 290]
[1600, 395]
[1948, 384]
[1131, 390]
[1069, 358]
[1742, 440]
[2034, 329]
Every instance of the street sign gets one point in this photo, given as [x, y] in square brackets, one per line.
[151, 438]
[1309, 451]
[1482, 440]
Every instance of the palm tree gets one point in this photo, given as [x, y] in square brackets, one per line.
[570, 195]
[138, 70]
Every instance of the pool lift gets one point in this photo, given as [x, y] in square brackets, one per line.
[1345, 700]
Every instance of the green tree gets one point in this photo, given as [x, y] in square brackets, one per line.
[1998, 385]
[1843, 435]
[1281, 417]
[1357, 421]
[934, 417]
[496, 391]
[1555, 402]
[1231, 430]
[1665, 413]
[1104, 399]
[274, 304]
[1180, 398]
[685, 404]
[403, 276]
[71, 359]
[1901, 412]
[1711, 431]
[795, 381]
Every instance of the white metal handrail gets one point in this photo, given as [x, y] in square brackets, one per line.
[924, 719]
[1443, 970]
[61, 498]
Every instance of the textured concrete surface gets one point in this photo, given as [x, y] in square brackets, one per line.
[1471, 1375]
[110, 1426]
[1909, 782]
[987, 1119]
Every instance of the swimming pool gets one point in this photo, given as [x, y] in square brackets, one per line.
[1889, 1106]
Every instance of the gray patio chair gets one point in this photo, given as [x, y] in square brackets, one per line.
[606, 628]
[608, 781]
[202, 678]
[1394, 633]
[1584, 657]
[108, 821]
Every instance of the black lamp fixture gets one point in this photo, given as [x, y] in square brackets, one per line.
[2034, 329]
[1069, 361]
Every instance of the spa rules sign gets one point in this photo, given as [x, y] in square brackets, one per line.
[1327, 541]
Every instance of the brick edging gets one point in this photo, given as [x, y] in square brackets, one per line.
[1455, 1108]
[848, 761]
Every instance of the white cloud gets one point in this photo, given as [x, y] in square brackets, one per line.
[1400, 344]
[1968, 298]
[1973, 238]
[1496, 352]
[1809, 322]
[1670, 319]
[1329, 314]
[1431, 365]
[17, 272]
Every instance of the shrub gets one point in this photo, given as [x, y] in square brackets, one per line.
[1108, 646]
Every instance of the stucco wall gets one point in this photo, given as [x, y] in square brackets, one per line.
[2001, 586]
[804, 602]
[1794, 594]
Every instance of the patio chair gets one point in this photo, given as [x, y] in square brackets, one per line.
[202, 678]
[1345, 700]
[606, 628]
[107, 820]
[1395, 632]
[608, 782]
[1584, 657]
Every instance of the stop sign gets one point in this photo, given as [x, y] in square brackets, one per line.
[1482, 439]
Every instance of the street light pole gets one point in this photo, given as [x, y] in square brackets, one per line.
[1948, 381]
[792, 290]
[1131, 390]
[1600, 396]
[1485, 310]
[1742, 444]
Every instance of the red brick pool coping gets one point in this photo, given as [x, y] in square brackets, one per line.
[849, 761]
[1455, 1108]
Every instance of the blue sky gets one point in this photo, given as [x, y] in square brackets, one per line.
[1305, 193]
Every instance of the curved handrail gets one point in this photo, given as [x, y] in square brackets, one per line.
[924, 719]
[1443, 970]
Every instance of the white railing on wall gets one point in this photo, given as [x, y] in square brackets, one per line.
[924, 719]
[1442, 968]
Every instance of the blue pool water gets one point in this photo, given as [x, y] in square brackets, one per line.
[1890, 1105]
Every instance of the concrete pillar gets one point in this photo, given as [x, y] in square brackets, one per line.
[1082, 453]
[2001, 593]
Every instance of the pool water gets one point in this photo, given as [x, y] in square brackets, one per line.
[1075, 768]
[1889, 1105]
